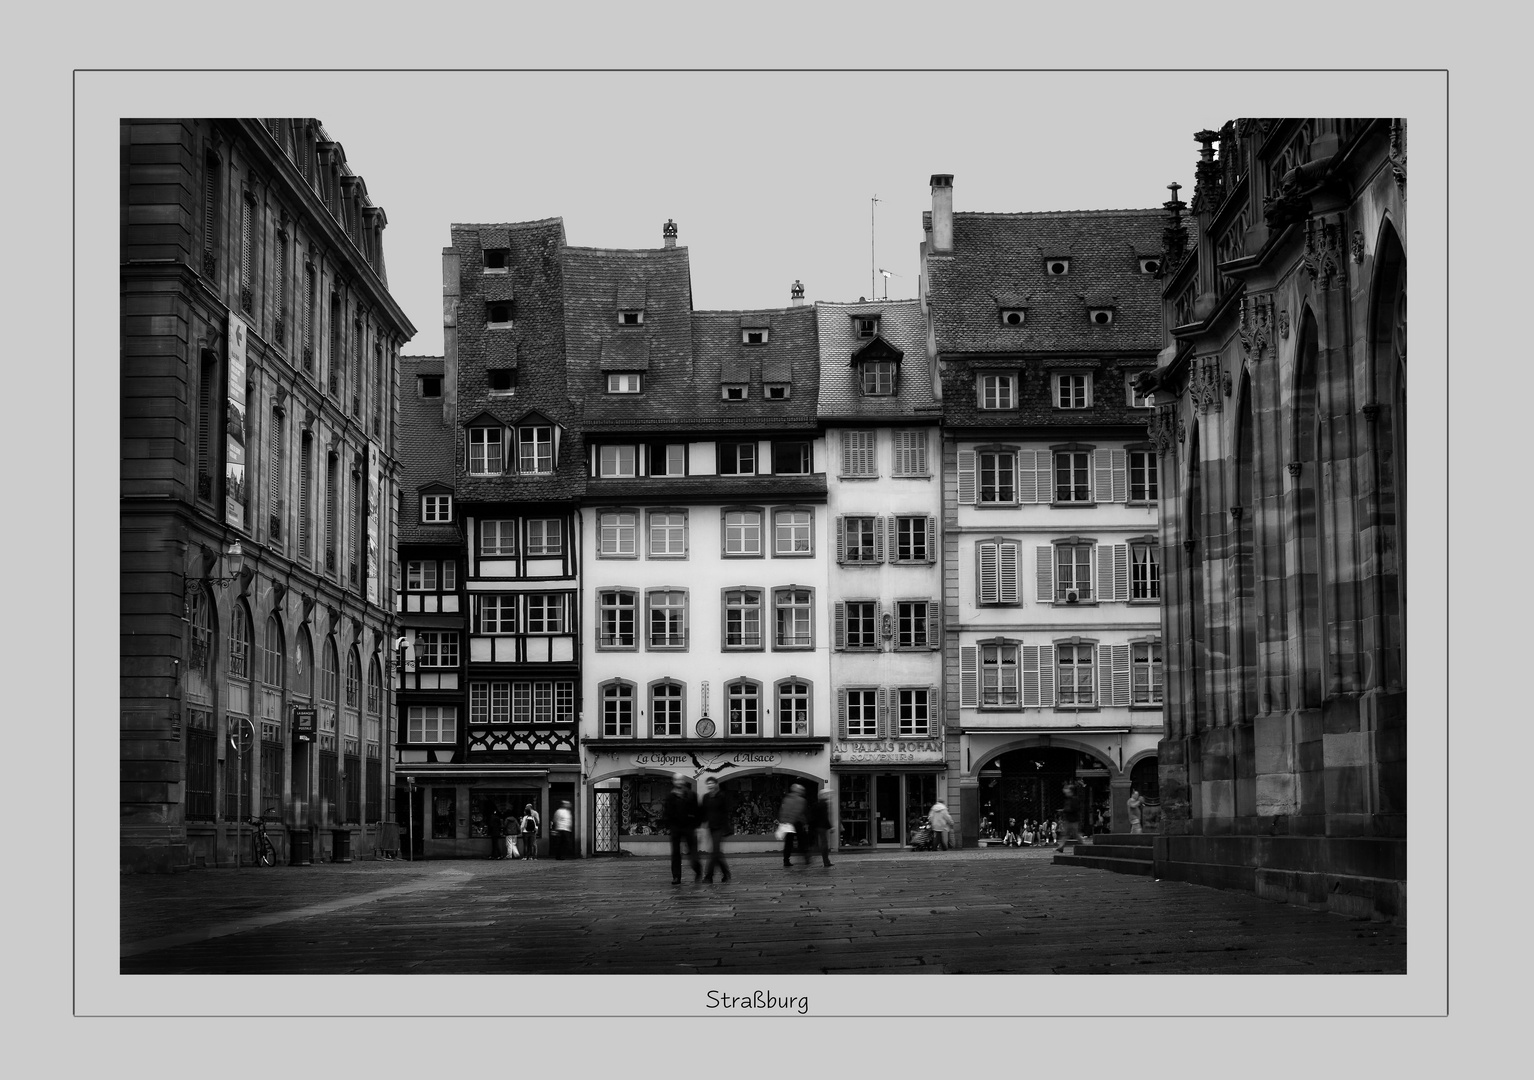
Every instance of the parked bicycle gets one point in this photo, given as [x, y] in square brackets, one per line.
[266, 851]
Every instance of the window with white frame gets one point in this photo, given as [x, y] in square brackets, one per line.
[915, 707]
[498, 537]
[743, 532]
[910, 453]
[667, 534]
[755, 335]
[997, 571]
[1144, 572]
[865, 326]
[617, 710]
[615, 619]
[1073, 572]
[618, 534]
[791, 458]
[436, 509]
[998, 476]
[498, 614]
[668, 459]
[915, 538]
[1145, 672]
[666, 701]
[432, 724]
[1135, 399]
[912, 628]
[545, 613]
[545, 536]
[617, 461]
[421, 575]
[535, 449]
[742, 619]
[858, 623]
[777, 391]
[744, 700]
[737, 459]
[436, 648]
[860, 540]
[795, 614]
[667, 615]
[1143, 476]
[449, 575]
[860, 453]
[879, 377]
[625, 382]
[793, 532]
[1073, 476]
[793, 707]
[998, 674]
[487, 451]
[1076, 674]
[1073, 390]
[734, 392]
[860, 710]
[997, 390]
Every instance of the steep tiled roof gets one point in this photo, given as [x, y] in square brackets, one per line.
[902, 325]
[597, 285]
[426, 446]
[789, 355]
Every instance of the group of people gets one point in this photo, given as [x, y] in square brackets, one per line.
[1030, 833]
[804, 825]
[505, 831]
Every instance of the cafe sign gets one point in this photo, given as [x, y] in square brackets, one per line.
[698, 762]
[887, 752]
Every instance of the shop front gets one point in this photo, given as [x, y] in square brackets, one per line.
[628, 784]
[452, 815]
[885, 787]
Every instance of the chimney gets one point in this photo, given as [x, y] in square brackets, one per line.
[797, 292]
[668, 231]
[942, 212]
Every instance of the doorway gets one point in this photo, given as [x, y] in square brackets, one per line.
[889, 829]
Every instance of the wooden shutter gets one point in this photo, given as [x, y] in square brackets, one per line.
[1113, 680]
[205, 426]
[934, 626]
[1047, 676]
[841, 714]
[931, 538]
[882, 717]
[841, 539]
[1120, 465]
[1027, 477]
[1105, 577]
[1121, 571]
[304, 452]
[841, 624]
[1006, 561]
[892, 528]
[918, 460]
[879, 538]
[902, 453]
[986, 575]
[1102, 476]
[969, 676]
[1030, 675]
[966, 477]
[274, 463]
[932, 707]
[1044, 475]
[1046, 573]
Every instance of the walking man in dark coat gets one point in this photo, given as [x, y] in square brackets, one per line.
[679, 816]
[795, 813]
[718, 817]
[493, 827]
[820, 826]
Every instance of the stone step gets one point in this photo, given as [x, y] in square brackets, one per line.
[1097, 862]
[1137, 852]
[1123, 839]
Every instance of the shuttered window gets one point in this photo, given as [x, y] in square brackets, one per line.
[998, 476]
[1113, 571]
[859, 455]
[355, 533]
[1038, 663]
[969, 676]
[913, 538]
[1077, 680]
[1114, 685]
[332, 481]
[1143, 476]
[1035, 476]
[1145, 572]
[1146, 673]
[305, 483]
[910, 453]
[247, 256]
[209, 213]
[308, 325]
[998, 675]
[1110, 476]
[274, 503]
[1073, 476]
[207, 395]
[997, 572]
[859, 710]
[917, 709]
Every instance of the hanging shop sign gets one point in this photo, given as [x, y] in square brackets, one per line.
[886, 751]
[709, 762]
[304, 724]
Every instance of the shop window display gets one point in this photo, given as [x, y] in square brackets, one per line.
[756, 800]
[854, 812]
[444, 811]
[507, 802]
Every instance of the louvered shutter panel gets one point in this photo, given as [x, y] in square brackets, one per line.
[1030, 666]
[1105, 572]
[931, 538]
[841, 624]
[1044, 475]
[882, 724]
[1120, 475]
[919, 455]
[841, 540]
[1027, 477]
[881, 610]
[933, 702]
[892, 528]
[303, 496]
[1006, 560]
[847, 464]
[274, 461]
[841, 714]
[934, 626]
[966, 477]
[879, 538]
[1046, 573]
[1121, 571]
[988, 583]
[205, 424]
[902, 454]
[1102, 476]
[969, 676]
[1047, 676]
[1119, 662]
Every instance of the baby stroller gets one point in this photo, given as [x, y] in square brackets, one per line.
[923, 839]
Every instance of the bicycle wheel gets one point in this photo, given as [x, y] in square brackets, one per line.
[266, 851]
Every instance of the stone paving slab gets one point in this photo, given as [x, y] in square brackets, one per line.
[955, 912]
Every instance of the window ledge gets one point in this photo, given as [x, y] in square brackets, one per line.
[857, 476]
[1072, 504]
[1153, 706]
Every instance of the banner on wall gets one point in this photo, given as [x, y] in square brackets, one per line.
[235, 497]
[373, 498]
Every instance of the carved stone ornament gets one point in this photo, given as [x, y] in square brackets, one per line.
[1322, 258]
[1371, 411]
[1283, 323]
[1398, 153]
[1358, 245]
[1256, 326]
[1161, 428]
[1236, 512]
[1294, 468]
[1209, 384]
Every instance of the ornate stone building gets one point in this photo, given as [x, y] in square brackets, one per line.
[259, 348]
[1280, 423]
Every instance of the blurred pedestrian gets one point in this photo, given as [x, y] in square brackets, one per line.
[563, 826]
[531, 826]
[820, 827]
[795, 814]
[941, 822]
[1070, 815]
[718, 817]
[493, 829]
[679, 817]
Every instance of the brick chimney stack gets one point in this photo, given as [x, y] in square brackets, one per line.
[797, 292]
[942, 212]
[668, 231]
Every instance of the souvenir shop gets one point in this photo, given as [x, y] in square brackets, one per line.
[885, 787]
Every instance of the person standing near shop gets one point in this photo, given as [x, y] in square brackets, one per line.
[717, 815]
[493, 828]
[1136, 811]
[941, 822]
[795, 814]
[679, 817]
[530, 829]
[563, 825]
[820, 826]
[1070, 816]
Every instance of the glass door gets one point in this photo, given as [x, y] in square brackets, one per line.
[889, 829]
[920, 794]
[853, 811]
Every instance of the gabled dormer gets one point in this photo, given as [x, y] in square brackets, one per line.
[878, 367]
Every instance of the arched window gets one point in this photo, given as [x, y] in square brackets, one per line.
[1310, 513]
[200, 617]
[1389, 349]
[1245, 552]
[239, 641]
[617, 709]
[353, 679]
[329, 674]
[274, 663]
[375, 687]
[303, 665]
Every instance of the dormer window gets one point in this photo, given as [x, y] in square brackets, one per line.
[497, 260]
[1150, 266]
[1013, 316]
[436, 509]
[625, 382]
[498, 314]
[879, 377]
[631, 317]
[1073, 391]
[756, 335]
[486, 451]
[1057, 267]
[865, 326]
[501, 381]
[1100, 316]
[734, 392]
[431, 386]
[776, 391]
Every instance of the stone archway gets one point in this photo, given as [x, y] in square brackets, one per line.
[1024, 781]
